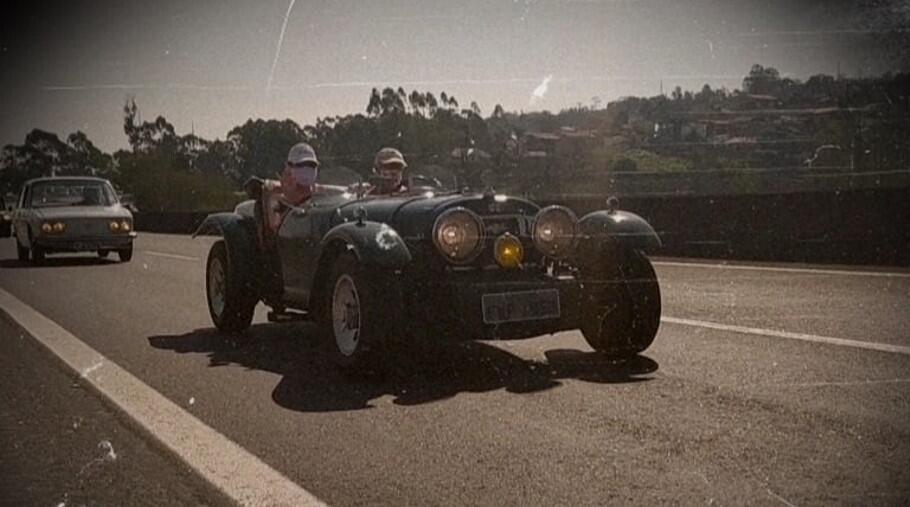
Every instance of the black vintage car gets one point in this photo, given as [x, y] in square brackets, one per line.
[372, 270]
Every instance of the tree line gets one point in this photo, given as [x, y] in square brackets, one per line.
[164, 170]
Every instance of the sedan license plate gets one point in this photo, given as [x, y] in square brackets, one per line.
[519, 306]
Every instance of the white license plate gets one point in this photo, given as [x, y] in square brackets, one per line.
[519, 306]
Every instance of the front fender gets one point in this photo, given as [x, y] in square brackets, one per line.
[618, 227]
[373, 243]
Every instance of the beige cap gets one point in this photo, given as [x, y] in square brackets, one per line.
[389, 155]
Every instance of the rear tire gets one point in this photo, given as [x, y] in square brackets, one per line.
[125, 255]
[621, 319]
[231, 301]
[358, 316]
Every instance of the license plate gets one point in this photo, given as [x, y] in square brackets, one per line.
[519, 306]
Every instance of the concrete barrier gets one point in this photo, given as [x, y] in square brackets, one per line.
[853, 227]
[168, 222]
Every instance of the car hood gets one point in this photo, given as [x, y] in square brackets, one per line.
[414, 215]
[70, 212]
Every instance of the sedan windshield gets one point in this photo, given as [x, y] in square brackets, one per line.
[72, 193]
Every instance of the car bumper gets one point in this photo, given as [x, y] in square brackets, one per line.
[85, 243]
[456, 305]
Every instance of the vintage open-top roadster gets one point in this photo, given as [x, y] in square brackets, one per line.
[370, 270]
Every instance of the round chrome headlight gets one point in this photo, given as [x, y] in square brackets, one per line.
[555, 231]
[458, 234]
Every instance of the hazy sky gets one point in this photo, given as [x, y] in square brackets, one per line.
[208, 64]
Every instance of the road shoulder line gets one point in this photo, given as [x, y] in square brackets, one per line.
[843, 342]
[225, 465]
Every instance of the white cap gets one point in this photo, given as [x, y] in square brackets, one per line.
[302, 152]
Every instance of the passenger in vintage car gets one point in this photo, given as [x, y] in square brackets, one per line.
[388, 167]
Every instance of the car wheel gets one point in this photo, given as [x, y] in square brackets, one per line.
[621, 319]
[21, 252]
[230, 300]
[38, 254]
[125, 255]
[358, 316]
[103, 253]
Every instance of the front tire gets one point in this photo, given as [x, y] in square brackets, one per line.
[21, 252]
[125, 255]
[622, 316]
[358, 317]
[231, 301]
[38, 254]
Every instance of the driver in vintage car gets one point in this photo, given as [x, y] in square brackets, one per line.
[296, 184]
[388, 166]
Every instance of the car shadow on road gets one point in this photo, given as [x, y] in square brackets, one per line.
[52, 262]
[416, 375]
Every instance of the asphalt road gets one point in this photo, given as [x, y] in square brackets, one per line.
[706, 416]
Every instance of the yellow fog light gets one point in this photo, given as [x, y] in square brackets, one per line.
[59, 227]
[508, 251]
[125, 226]
[47, 228]
[115, 226]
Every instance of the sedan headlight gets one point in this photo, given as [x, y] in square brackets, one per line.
[47, 228]
[555, 231]
[59, 227]
[114, 226]
[125, 226]
[458, 234]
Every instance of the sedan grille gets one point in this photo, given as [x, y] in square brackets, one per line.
[88, 227]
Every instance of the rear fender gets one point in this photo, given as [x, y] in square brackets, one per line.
[239, 235]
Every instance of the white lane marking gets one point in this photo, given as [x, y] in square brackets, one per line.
[846, 383]
[170, 255]
[812, 271]
[882, 347]
[228, 467]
